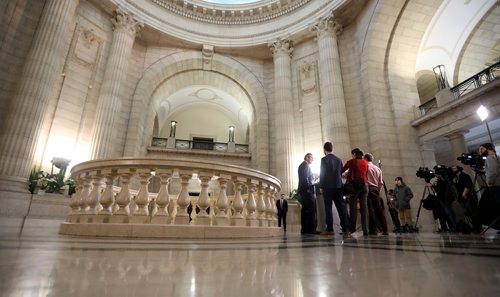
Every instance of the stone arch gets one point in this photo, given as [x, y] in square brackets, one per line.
[426, 85]
[144, 104]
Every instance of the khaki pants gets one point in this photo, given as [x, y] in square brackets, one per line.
[405, 217]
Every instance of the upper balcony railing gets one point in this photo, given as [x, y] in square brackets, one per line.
[184, 144]
[476, 81]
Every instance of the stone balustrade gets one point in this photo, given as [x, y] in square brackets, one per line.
[114, 197]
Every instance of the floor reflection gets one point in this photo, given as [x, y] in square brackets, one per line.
[292, 265]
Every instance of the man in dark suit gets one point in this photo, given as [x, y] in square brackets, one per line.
[282, 206]
[330, 185]
[307, 196]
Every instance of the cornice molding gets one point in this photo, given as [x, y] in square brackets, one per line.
[261, 11]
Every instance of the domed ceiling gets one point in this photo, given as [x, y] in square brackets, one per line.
[235, 23]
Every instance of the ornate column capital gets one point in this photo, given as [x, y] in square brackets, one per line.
[281, 46]
[126, 22]
[327, 24]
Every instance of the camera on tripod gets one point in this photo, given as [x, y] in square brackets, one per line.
[425, 173]
[474, 160]
[444, 171]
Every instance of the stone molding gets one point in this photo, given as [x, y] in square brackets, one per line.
[230, 15]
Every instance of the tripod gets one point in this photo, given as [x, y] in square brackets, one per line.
[427, 190]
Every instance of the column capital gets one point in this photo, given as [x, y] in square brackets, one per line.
[458, 133]
[326, 25]
[281, 46]
[126, 22]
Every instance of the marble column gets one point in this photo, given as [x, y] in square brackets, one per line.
[23, 125]
[282, 50]
[333, 110]
[458, 146]
[108, 105]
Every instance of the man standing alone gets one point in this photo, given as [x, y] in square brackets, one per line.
[282, 206]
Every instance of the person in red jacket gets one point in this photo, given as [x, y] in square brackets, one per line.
[358, 175]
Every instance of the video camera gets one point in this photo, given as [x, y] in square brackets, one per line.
[425, 173]
[474, 160]
[444, 171]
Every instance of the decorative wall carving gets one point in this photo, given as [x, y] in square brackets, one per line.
[307, 73]
[86, 46]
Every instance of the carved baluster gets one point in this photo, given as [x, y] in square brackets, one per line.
[162, 199]
[94, 197]
[269, 206]
[238, 203]
[222, 201]
[204, 200]
[261, 206]
[183, 200]
[141, 215]
[123, 198]
[251, 206]
[274, 210]
[75, 202]
[108, 197]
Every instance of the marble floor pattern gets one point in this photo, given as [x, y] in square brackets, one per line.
[424, 264]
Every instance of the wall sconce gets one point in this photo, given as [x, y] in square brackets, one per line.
[173, 126]
[231, 133]
[440, 75]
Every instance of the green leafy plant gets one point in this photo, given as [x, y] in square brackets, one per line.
[35, 178]
[294, 195]
[50, 183]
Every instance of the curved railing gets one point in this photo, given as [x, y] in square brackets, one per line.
[115, 192]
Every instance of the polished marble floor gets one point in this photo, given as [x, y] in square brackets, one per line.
[293, 265]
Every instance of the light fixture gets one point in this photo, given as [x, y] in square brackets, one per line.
[173, 126]
[231, 133]
[440, 75]
[482, 112]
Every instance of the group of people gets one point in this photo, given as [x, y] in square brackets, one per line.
[366, 183]
[456, 206]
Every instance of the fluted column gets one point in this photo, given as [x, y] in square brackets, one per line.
[282, 50]
[333, 110]
[23, 126]
[108, 106]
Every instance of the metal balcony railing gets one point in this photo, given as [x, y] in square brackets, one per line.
[476, 81]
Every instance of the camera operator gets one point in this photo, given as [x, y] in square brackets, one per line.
[446, 193]
[465, 188]
[492, 170]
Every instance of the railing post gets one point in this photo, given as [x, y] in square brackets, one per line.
[274, 209]
[83, 198]
[203, 217]
[182, 217]
[221, 218]
[162, 199]
[75, 202]
[94, 197]
[238, 203]
[251, 204]
[141, 215]
[107, 198]
[261, 206]
[122, 214]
